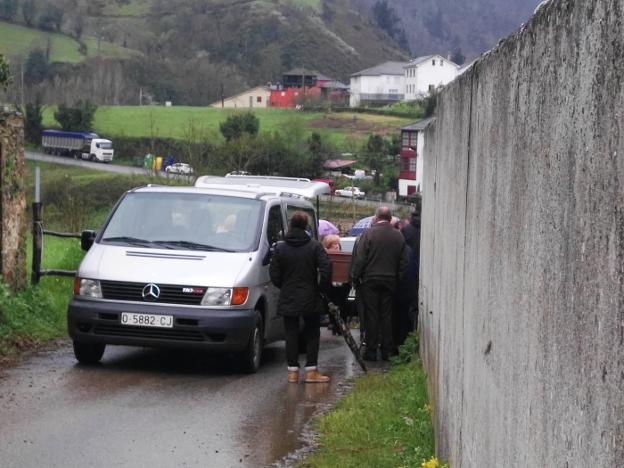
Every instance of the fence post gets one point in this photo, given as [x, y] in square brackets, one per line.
[37, 239]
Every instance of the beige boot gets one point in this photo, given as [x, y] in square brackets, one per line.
[312, 375]
[293, 374]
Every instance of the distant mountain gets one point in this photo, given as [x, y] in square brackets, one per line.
[442, 26]
[189, 51]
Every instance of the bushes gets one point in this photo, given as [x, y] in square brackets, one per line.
[78, 118]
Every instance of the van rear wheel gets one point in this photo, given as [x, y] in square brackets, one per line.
[88, 353]
[252, 355]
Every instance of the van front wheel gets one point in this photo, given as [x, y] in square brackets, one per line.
[250, 358]
[88, 353]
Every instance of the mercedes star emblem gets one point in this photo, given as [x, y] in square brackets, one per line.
[151, 292]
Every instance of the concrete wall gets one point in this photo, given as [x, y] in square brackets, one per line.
[12, 200]
[522, 273]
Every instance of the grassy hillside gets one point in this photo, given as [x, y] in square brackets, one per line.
[174, 122]
[17, 40]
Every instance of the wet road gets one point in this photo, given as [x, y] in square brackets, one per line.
[159, 408]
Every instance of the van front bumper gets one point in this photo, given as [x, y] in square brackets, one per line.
[225, 330]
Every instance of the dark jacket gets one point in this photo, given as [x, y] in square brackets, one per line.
[380, 255]
[411, 233]
[301, 269]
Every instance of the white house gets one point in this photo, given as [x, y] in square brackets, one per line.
[255, 97]
[381, 84]
[424, 74]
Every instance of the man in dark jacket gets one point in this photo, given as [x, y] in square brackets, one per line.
[379, 262]
[411, 232]
[300, 268]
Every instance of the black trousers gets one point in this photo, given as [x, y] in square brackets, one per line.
[377, 298]
[311, 335]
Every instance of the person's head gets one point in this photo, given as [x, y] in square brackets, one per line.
[230, 222]
[299, 220]
[383, 213]
[331, 242]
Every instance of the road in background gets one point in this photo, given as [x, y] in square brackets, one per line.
[97, 166]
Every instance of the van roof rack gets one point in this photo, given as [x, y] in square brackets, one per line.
[266, 184]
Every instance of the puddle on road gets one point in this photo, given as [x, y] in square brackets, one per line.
[282, 432]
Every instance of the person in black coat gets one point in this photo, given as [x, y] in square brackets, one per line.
[300, 268]
[411, 233]
[379, 262]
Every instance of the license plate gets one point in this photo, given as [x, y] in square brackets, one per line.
[147, 320]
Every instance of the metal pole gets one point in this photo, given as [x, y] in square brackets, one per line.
[37, 239]
[37, 230]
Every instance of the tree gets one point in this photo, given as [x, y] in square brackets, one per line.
[78, 118]
[51, 19]
[386, 18]
[33, 123]
[8, 9]
[29, 12]
[238, 124]
[458, 57]
[36, 67]
[374, 154]
[5, 73]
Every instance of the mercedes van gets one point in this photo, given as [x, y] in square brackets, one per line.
[187, 267]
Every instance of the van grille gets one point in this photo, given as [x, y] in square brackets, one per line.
[144, 332]
[169, 294]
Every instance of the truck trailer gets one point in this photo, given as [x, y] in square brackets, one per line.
[83, 145]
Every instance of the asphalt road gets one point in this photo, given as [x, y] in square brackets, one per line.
[98, 166]
[159, 408]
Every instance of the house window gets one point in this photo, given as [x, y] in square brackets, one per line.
[408, 164]
[441, 63]
[259, 99]
[406, 138]
[433, 62]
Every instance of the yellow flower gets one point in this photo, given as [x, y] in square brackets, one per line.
[432, 463]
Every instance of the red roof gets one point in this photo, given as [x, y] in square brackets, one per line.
[338, 163]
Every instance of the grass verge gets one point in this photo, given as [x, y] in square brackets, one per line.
[384, 422]
[38, 314]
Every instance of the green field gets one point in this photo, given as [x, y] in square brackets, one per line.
[174, 122]
[16, 40]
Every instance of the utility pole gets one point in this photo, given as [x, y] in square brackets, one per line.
[222, 97]
[140, 95]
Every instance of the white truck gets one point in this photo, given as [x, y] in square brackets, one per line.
[83, 145]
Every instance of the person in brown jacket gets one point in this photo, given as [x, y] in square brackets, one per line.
[379, 261]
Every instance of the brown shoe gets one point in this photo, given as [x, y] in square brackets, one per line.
[312, 375]
[293, 375]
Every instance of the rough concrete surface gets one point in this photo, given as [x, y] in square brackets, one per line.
[522, 270]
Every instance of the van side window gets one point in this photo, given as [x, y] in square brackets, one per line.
[290, 210]
[275, 226]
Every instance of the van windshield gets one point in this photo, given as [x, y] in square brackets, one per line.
[185, 221]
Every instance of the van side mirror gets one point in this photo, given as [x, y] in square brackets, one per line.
[87, 238]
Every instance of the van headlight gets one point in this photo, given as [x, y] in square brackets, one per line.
[217, 297]
[225, 296]
[87, 288]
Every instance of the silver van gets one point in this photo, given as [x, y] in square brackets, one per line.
[187, 267]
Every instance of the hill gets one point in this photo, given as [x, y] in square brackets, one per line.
[444, 26]
[187, 50]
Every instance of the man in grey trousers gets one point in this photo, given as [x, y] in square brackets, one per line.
[379, 261]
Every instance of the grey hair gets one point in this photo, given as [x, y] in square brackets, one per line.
[383, 212]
